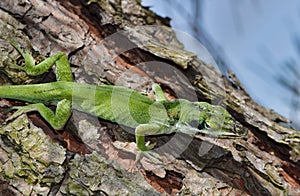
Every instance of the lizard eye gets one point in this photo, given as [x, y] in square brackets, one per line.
[206, 126]
[203, 125]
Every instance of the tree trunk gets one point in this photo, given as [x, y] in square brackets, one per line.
[120, 42]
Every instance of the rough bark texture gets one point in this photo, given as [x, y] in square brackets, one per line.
[99, 158]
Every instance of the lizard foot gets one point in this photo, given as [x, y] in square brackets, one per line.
[15, 66]
[20, 110]
[149, 146]
[151, 155]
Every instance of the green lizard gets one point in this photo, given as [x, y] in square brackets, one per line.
[148, 117]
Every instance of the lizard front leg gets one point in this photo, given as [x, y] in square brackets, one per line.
[141, 131]
[149, 129]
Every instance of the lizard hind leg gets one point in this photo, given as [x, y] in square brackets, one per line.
[63, 71]
[57, 120]
[159, 94]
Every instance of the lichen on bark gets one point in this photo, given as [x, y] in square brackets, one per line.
[30, 161]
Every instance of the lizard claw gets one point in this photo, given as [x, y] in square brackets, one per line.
[152, 156]
[150, 146]
[149, 154]
[20, 110]
[15, 66]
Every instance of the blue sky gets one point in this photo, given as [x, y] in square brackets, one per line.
[256, 38]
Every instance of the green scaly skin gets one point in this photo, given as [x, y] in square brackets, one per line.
[148, 117]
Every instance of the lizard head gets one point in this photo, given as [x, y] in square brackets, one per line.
[213, 120]
[217, 121]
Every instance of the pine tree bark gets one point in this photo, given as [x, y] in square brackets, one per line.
[109, 42]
